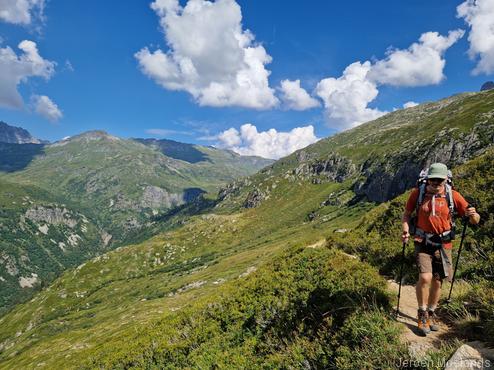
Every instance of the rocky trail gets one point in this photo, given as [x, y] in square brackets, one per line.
[472, 355]
[417, 344]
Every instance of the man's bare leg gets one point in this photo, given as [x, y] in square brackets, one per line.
[435, 293]
[423, 288]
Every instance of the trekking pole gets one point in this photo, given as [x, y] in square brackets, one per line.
[458, 257]
[401, 278]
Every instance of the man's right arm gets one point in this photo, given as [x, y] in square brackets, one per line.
[405, 226]
[409, 209]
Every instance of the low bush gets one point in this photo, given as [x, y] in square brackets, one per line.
[309, 308]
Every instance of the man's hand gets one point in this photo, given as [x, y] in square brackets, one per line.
[405, 236]
[472, 214]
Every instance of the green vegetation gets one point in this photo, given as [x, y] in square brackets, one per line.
[261, 277]
[65, 203]
[124, 290]
[297, 311]
[123, 183]
[38, 230]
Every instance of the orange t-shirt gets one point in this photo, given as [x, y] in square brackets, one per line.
[435, 219]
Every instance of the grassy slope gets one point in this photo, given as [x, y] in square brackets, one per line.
[125, 289]
[89, 173]
[25, 249]
[405, 129]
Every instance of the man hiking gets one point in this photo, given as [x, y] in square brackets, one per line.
[433, 204]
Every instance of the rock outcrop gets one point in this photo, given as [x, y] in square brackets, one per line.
[333, 167]
[255, 198]
[232, 189]
[51, 216]
[384, 179]
[156, 197]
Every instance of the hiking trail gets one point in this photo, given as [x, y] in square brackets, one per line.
[417, 345]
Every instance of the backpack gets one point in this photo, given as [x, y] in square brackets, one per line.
[421, 185]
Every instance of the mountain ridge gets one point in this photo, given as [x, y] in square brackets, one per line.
[16, 135]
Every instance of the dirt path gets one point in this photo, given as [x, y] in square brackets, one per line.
[408, 317]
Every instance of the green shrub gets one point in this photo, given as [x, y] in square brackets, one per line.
[309, 307]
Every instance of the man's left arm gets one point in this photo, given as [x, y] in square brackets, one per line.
[465, 209]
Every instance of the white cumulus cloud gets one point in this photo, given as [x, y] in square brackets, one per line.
[421, 64]
[45, 107]
[295, 97]
[209, 55]
[21, 11]
[410, 104]
[346, 98]
[479, 15]
[15, 69]
[267, 144]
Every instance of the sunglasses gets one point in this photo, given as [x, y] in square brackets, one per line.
[436, 181]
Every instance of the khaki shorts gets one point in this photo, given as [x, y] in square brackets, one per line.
[429, 259]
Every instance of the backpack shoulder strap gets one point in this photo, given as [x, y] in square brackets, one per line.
[420, 198]
[451, 203]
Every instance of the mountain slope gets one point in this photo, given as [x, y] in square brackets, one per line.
[89, 194]
[15, 135]
[384, 155]
[124, 182]
[131, 306]
[40, 237]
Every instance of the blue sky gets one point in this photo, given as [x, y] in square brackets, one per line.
[101, 67]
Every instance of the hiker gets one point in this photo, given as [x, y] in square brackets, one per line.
[433, 204]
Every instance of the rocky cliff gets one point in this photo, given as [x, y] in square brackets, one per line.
[16, 135]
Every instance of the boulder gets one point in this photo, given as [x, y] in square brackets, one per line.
[471, 356]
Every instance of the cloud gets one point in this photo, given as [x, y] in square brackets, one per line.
[267, 144]
[410, 104]
[68, 66]
[421, 64]
[21, 11]
[479, 15]
[15, 69]
[295, 97]
[209, 55]
[45, 107]
[346, 98]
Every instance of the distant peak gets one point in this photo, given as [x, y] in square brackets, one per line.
[16, 135]
[94, 135]
[489, 85]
